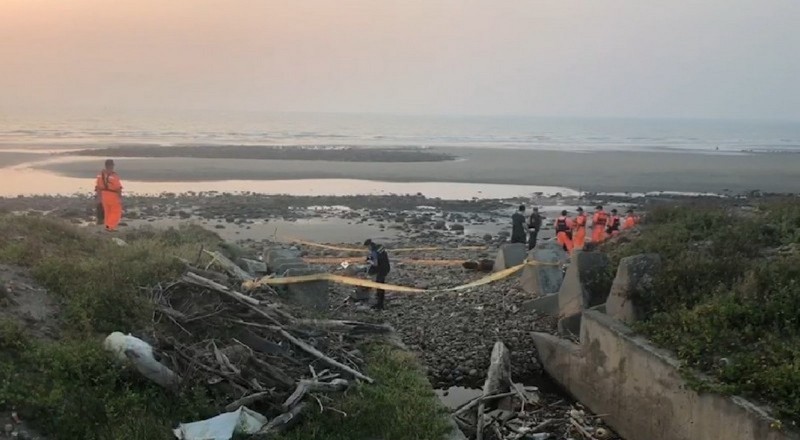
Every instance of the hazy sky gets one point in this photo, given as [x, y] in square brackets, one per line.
[693, 58]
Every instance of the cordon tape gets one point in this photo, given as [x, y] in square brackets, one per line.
[352, 281]
[348, 249]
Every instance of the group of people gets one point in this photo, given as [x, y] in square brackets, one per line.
[571, 232]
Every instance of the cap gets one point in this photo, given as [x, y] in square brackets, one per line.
[614, 211]
[368, 242]
[598, 207]
[580, 209]
[564, 212]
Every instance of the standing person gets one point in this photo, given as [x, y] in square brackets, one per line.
[379, 266]
[534, 224]
[518, 226]
[109, 191]
[579, 234]
[563, 226]
[630, 220]
[613, 224]
[599, 222]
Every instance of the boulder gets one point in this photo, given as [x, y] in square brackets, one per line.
[270, 255]
[634, 278]
[510, 255]
[253, 267]
[312, 294]
[585, 284]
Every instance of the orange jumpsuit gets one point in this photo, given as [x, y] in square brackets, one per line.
[630, 221]
[110, 188]
[599, 226]
[579, 236]
[563, 226]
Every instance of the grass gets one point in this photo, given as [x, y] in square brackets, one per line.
[70, 388]
[728, 299]
[401, 405]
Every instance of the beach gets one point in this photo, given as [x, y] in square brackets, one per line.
[603, 171]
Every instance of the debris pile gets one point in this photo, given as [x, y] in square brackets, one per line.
[250, 350]
[510, 411]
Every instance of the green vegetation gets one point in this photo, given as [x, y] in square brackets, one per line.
[728, 299]
[401, 405]
[71, 389]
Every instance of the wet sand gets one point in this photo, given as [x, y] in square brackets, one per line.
[602, 171]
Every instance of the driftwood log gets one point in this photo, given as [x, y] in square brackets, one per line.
[311, 386]
[498, 380]
[230, 267]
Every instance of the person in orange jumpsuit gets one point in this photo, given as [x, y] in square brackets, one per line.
[563, 227]
[599, 222]
[109, 191]
[614, 224]
[579, 233]
[630, 220]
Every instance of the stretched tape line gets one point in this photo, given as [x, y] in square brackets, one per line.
[352, 281]
[348, 249]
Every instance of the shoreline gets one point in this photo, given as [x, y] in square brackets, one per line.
[634, 172]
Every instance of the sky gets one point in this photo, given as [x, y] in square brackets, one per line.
[593, 58]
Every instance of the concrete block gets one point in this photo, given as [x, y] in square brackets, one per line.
[270, 255]
[542, 280]
[640, 389]
[281, 265]
[510, 255]
[634, 278]
[253, 267]
[585, 283]
[546, 305]
[313, 294]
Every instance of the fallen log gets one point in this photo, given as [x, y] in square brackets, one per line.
[283, 422]
[253, 303]
[474, 402]
[319, 355]
[310, 386]
[498, 380]
[248, 400]
[230, 267]
[343, 326]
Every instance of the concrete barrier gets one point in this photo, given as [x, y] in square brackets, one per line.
[544, 280]
[634, 278]
[582, 285]
[510, 255]
[640, 388]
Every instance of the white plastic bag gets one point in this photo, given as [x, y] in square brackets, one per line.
[223, 426]
[127, 348]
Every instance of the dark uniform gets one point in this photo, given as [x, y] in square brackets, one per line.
[534, 224]
[518, 234]
[379, 266]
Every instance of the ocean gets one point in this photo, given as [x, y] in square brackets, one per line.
[330, 130]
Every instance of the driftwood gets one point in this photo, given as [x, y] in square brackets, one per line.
[311, 386]
[283, 422]
[476, 401]
[498, 380]
[248, 400]
[230, 267]
[319, 355]
[249, 301]
[354, 327]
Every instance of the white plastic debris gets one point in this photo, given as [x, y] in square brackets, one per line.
[119, 241]
[345, 264]
[223, 426]
[127, 348]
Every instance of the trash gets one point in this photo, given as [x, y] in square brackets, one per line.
[345, 264]
[127, 348]
[119, 241]
[223, 426]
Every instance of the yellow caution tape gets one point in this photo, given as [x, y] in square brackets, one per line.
[352, 281]
[348, 249]
[409, 261]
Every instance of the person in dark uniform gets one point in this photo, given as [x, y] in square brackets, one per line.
[379, 266]
[518, 234]
[534, 224]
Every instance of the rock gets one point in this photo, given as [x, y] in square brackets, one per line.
[312, 294]
[487, 237]
[634, 278]
[439, 225]
[457, 227]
